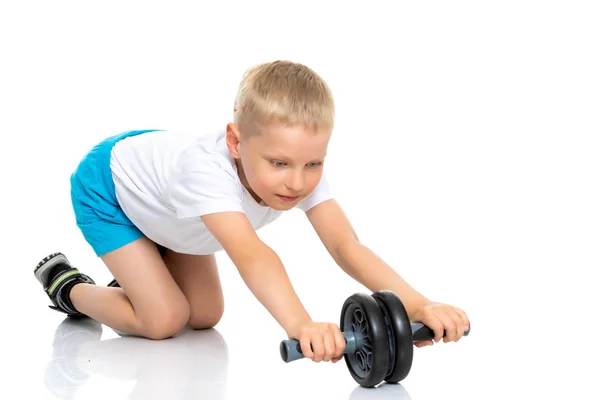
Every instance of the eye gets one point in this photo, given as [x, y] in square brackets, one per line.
[278, 163]
[314, 164]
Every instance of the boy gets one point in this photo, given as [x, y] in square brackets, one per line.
[155, 206]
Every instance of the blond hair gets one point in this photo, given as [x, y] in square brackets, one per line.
[284, 92]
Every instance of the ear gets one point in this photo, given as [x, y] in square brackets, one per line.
[232, 139]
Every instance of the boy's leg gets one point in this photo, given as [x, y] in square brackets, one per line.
[149, 303]
[198, 278]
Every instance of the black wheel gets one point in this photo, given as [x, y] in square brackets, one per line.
[401, 343]
[368, 365]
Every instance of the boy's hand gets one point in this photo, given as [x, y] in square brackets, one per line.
[439, 317]
[320, 341]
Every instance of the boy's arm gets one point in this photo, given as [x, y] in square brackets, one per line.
[260, 268]
[364, 266]
[358, 261]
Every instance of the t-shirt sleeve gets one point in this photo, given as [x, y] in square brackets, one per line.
[204, 186]
[320, 193]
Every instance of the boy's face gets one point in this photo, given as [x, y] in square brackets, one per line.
[277, 164]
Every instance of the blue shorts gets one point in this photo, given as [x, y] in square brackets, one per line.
[97, 212]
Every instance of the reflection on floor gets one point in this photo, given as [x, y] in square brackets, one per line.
[191, 361]
[193, 364]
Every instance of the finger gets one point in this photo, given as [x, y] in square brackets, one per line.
[329, 344]
[449, 326]
[318, 346]
[460, 327]
[435, 324]
[336, 359]
[305, 345]
[464, 318]
[340, 343]
[424, 343]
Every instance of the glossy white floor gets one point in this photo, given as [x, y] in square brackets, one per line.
[240, 358]
[465, 154]
[523, 345]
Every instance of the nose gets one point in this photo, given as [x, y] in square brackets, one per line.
[295, 182]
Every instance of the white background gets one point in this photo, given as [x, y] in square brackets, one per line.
[466, 154]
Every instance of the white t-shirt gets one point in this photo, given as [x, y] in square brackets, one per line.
[165, 180]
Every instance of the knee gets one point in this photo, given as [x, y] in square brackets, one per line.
[166, 322]
[206, 319]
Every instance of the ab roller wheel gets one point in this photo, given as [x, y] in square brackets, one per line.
[379, 338]
[368, 362]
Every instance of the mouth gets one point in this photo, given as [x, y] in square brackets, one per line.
[288, 198]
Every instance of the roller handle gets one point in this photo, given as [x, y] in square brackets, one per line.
[290, 350]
